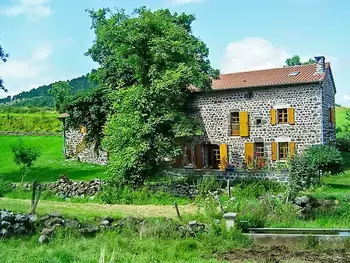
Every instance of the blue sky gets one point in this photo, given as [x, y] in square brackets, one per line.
[46, 39]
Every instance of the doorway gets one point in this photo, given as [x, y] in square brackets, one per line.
[211, 154]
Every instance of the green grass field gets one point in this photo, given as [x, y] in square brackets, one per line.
[50, 164]
[341, 115]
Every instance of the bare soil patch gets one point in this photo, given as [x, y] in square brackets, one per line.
[279, 254]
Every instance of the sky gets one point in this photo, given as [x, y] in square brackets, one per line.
[47, 39]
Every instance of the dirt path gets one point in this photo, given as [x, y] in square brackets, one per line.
[279, 254]
[90, 210]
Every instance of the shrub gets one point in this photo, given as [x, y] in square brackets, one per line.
[208, 184]
[343, 144]
[325, 158]
[24, 156]
[302, 175]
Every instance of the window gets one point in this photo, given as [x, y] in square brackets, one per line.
[248, 95]
[235, 124]
[283, 150]
[282, 116]
[258, 121]
[259, 153]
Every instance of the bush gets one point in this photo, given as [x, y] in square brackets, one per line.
[302, 175]
[325, 158]
[4, 187]
[208, 184]
[343, 144]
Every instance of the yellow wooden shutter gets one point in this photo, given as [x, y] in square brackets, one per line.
[198, 157]
[223, 156]
[291, 149]
[273, 116]
[274, 151]
[249, 152]
[243, 124]
[291, 117]
[82, 129]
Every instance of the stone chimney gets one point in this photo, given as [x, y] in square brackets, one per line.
[320, 64]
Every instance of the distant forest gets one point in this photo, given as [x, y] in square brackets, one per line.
[40, 97]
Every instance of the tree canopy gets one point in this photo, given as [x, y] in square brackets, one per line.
[3, 58]
[148, 61]
[295, 60]
[60, 92]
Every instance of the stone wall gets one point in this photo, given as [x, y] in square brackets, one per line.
[232, 175]
[214, 116]
[12, 224]
[328, 101]
[76, 147]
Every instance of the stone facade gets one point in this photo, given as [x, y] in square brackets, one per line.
[76, 147]
[312, 125]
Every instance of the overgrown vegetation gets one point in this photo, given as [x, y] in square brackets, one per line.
[151, 61]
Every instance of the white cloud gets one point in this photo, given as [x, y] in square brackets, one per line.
[251, 54]
[182, 2]
[25, 74]
[43, 52]
[347, 97]
[33, 9]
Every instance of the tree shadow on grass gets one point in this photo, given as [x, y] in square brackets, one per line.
[49, 174]
[339, 186]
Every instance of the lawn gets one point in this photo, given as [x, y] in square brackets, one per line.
[50, 164]
[341, 115]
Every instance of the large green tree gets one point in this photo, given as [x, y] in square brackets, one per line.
[148, 62]
[295, 60]
[3, 58]
[61, 92]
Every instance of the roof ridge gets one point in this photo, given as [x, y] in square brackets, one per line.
[266, 69]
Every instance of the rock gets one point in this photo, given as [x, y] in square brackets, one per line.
[70, 223]
[19, 229]
[47, 232]
[33, 218]
[302, 201]
[88, 229]
[43, 239]
[5, 224]
[7, 216]
[4, 232]
[55, 214]
[44, 218]
[56, 221]
[21, 218]
[105, 223]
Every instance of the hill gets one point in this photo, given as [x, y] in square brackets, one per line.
[40, 97]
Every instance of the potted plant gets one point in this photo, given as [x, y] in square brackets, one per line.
[229, 167]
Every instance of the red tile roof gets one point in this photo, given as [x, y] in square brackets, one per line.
[269, 77]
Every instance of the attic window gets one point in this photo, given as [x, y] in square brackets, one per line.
[293, 74]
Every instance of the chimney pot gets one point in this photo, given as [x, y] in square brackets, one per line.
[320, 64]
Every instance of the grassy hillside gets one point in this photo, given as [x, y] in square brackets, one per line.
[343, 125]
[40, 97]
[51, 163]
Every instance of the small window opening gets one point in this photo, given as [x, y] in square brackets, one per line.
[258, 121]
[235, 124]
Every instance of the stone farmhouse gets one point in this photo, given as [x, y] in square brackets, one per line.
[262, 117]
